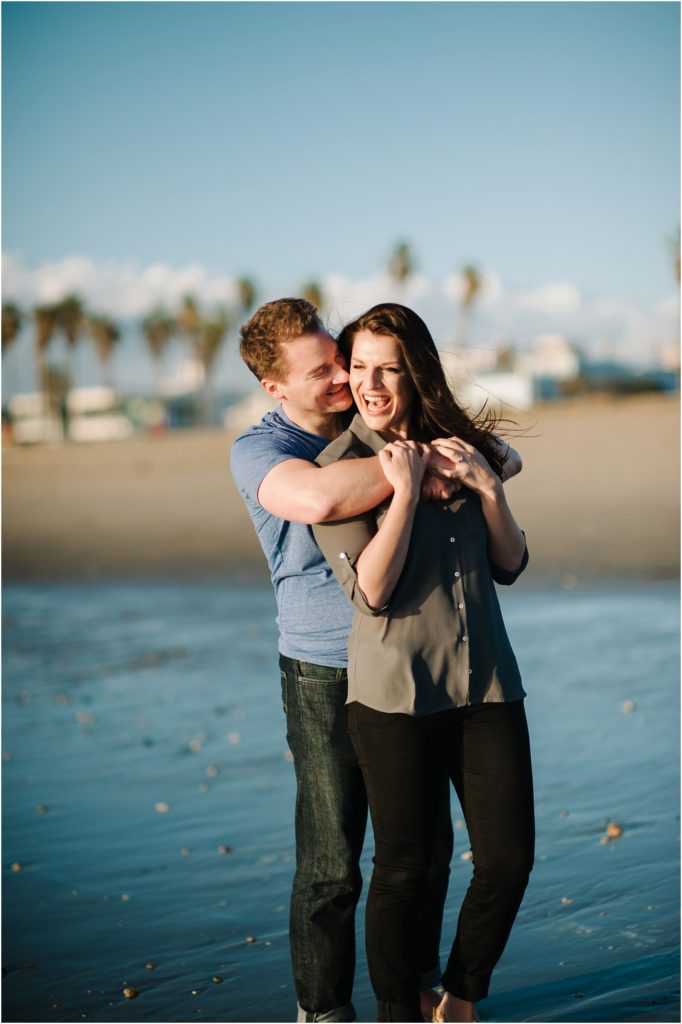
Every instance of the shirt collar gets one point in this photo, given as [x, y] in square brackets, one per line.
[366, 434]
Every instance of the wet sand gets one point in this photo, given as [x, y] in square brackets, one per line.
[598, 497]
[149, 800]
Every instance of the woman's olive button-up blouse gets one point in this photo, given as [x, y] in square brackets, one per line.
[440, 642]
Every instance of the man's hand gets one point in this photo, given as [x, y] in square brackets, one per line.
[436, 489]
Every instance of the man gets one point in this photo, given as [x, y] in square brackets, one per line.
[297, 362]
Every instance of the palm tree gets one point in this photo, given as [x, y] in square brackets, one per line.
[69, 320]
[246, 291]
[189, 318]
[312, 293]
[157, 327]
[105, 333]
[189, 323]
[45, 319]
[401, 263]
[211, 336]
[473, 282]
[11, 324]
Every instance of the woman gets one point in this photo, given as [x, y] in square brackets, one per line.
[433, 682]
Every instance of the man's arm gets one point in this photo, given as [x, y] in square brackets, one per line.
[302, 492]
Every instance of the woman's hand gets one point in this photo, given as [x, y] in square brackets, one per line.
[506, 542]
[469, 467]
[404, 464]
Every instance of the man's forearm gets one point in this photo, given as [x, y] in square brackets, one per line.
[352, 486]
[301, 492]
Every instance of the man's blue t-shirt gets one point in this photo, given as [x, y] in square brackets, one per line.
[313, 614]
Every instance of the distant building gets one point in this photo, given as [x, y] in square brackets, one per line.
[504, 376]
[551, 356]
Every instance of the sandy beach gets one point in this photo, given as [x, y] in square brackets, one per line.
[598, 497]
[148, 790]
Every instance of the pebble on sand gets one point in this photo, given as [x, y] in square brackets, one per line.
[17, 867]
[627, 707]
[162, 807]
[211, 771]
[613, 831]
[185, 851]
[216, 979]
[41, 809]
[233, 737]
[250, 938]
[566, 901]
[130, 992]
[85, 718]
[224, 848]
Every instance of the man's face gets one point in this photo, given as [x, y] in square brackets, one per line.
[315, 376]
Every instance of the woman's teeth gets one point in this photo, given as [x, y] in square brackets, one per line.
[376, 404]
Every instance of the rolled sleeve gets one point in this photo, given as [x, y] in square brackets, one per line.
[342, 543]
[506, 576]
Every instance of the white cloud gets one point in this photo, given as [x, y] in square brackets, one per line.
[118, 289]
[346, 298]
[562, 297]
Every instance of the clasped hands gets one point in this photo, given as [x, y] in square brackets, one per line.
[452, 462]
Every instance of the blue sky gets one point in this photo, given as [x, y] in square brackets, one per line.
[295, 140]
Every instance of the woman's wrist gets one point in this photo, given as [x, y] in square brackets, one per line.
[406, 496]
[494, 493]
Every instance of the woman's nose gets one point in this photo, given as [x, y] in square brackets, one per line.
[341, 376]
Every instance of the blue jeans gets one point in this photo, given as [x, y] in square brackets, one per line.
[331, 817]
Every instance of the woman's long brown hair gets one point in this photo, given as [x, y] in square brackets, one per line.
[435, 412]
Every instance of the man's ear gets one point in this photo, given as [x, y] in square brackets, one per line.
[272, 388]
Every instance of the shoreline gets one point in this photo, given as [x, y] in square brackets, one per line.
[598, 498]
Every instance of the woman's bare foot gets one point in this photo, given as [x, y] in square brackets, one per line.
[429, 1000]
[452, 1009]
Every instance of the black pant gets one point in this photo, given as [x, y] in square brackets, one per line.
[331, 813]
[485, 750]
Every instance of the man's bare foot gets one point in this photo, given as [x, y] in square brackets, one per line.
[452, 1009]
[429, 1000]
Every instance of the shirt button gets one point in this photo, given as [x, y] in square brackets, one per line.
[460, 605]
[464, 639]
[342, 554]
[456, 575]
[470, 671]
[452, 540]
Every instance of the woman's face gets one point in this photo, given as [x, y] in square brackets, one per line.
[380, 383]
